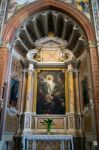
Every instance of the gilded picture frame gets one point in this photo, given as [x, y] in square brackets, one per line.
[50, 91]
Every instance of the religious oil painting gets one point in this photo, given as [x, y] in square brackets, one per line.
[14, 92]
[51, 92]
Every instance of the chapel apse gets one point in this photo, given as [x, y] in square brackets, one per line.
[20, 43]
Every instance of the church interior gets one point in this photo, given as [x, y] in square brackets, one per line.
[49, 76]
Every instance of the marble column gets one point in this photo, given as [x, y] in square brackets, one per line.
[29, 92]
[71, 88]
[76, 82]
[35, 92]
[23, 94]
[66, 92]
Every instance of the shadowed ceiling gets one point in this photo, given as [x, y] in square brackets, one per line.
[50, 21]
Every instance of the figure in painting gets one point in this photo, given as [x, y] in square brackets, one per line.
[50, 94]
[50, 84]
[14, 92]
[83, 5]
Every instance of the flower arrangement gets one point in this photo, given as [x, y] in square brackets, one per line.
[48, 124]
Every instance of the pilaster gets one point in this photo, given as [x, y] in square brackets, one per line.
[71, 88]
[95, 77]
[29, 91]
[23, 96]
[66, 92]
[4, 53]
[76, 85]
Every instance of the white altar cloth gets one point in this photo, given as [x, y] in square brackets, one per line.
[42, 137]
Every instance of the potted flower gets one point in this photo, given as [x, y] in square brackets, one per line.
[48, 124]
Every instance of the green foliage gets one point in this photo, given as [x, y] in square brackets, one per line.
[48, 124]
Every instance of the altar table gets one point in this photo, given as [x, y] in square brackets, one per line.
[47, 138]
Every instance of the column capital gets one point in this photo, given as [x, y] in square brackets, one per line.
[30, 69]
[76, 71]
[24, 71]
[70, 67]
[92, 44]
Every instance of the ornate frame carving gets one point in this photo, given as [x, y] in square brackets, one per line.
[35, 85]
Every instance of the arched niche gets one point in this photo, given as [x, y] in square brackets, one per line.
[84, 23]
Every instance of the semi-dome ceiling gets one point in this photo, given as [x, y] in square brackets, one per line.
[41, 24]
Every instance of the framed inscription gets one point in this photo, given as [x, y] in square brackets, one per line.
[51, 55]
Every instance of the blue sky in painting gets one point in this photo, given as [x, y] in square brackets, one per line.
[23, 1]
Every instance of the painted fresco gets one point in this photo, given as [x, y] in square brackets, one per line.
[13, 102]
[83, 5]
[16, 76]
[51, 92]
[15, 5]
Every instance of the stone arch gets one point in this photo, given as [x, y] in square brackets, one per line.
[85, 24]
[27, 11]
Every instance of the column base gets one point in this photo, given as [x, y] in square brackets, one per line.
[79, 143]
[27, 131]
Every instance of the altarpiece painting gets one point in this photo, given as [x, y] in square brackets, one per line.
[51, 92]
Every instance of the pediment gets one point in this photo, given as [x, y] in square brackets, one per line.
[50, 50]
[50, 42]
